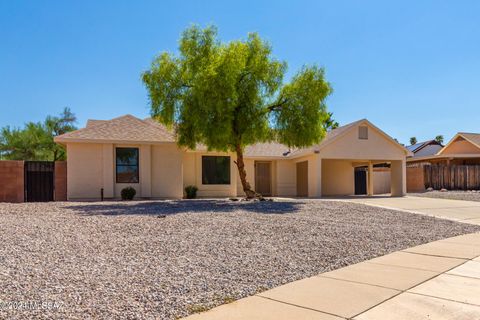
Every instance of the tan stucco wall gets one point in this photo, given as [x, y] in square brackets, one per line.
[192, 175]
[460, 146]
[381, 181]
[337, 177]
[91, 167]
[286, 185]
[167, 172]
[84, 171]
[376, 147]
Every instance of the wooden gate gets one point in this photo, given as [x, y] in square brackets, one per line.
[39, 181]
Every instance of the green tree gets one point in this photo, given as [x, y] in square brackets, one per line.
[330, 123]
[413, 140]
[439, 139]
[230, 95]
[35, 140]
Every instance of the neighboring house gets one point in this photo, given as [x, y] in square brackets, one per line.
[456, 166]
[128, 151]
[462, 149]
[426, 148]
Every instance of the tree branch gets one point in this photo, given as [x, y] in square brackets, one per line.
[277, 105]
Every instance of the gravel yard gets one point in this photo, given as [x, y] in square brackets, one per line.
[120, 260]
[454, 195]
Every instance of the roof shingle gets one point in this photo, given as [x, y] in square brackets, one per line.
[125, 128]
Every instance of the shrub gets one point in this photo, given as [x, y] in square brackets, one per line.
[128, 193]
[191, 192]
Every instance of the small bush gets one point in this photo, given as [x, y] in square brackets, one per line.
[191, 192]
[128, 193]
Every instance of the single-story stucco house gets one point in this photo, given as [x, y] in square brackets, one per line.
[128, 151]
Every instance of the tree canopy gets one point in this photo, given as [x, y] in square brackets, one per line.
[35, 140]
[413, 140]
[230, 95]
[439, 139]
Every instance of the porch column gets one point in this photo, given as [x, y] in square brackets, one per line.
[398, 178]
[370, 179]
[317, 177]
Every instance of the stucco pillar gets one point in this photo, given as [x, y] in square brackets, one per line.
[146, 171]
[108, 171]
[318, 180]
[398, 179]
[370, 179]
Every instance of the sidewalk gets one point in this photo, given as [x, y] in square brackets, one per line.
[456, 210]
[437, 280]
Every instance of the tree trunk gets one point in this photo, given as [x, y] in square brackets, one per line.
[243, 175]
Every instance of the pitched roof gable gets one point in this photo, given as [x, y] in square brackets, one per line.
[335, 134]
[473, 138]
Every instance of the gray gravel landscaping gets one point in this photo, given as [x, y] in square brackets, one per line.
[454, 195]
[121, 260]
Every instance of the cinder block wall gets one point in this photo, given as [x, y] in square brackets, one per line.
[415, 179]
[60, 181]
[11, 181]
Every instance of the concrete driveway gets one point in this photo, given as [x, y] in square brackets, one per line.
[458, 210]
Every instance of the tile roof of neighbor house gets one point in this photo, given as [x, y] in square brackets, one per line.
[131, 129]
[416, 147]
[472, 137]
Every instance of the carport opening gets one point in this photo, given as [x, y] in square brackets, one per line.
[341, 177]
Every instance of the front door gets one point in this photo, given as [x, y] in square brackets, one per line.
[302, 179]
[263, 177]
[360, 181]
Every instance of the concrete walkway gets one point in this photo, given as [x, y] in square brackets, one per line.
[458, 210]
[438, 280]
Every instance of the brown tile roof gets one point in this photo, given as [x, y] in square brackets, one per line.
[126, 128]
[267, 149]
[92, 122]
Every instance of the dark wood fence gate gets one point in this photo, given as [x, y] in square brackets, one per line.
[39, 181]
[453, 177]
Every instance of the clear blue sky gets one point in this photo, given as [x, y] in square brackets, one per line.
[411, 67]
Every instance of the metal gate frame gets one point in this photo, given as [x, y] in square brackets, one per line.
[39, 181]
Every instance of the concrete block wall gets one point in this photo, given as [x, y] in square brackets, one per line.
[11, 181]
[60, 181]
